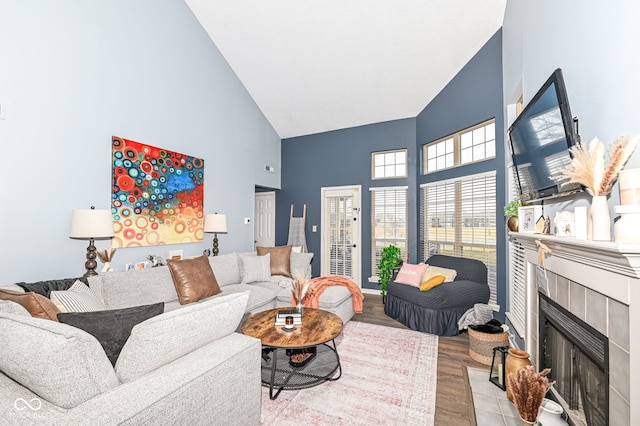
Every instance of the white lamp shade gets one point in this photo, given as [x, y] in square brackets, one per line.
[215, 222]
[91, 223]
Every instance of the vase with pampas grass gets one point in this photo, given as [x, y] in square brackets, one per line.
[588, 167]
[299, 287]
[529, 389]
[106, 257]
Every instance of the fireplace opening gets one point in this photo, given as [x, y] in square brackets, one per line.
[578, 356]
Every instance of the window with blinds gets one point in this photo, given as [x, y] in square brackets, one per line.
[517, 268]
[458, 218]
[467, 146]
[388, 221]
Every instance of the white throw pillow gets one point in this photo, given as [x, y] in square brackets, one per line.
[255, 268]
[78, 298]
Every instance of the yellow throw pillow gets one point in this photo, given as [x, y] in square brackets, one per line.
[432, 282]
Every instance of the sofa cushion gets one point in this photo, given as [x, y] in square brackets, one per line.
[79, 298]
[259, 298]
[193, 278]
[46, 287]
[226, 269]
[61, 364]
[280, 261]
[111, 328]
[411, 274]
[13, 308]
[164, 338]
[37, 305]
[124, 289]
[255, 268]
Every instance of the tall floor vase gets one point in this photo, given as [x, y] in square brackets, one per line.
[599, 219]
[516, 359]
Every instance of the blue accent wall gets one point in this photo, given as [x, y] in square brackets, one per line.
[474, 96]
[343, 157]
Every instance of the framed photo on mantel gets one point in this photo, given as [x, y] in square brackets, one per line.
[527, 218]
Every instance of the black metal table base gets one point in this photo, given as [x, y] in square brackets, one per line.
[279, 374]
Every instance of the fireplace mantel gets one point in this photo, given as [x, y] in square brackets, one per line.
[603, 262]
[602, 281]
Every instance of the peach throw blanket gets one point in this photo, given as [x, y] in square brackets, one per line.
[320, 284]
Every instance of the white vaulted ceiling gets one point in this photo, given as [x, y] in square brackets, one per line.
[319, 65]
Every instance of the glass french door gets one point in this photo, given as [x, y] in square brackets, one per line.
[341, 253]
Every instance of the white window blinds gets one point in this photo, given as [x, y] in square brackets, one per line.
[338, 226]
[517, 268]
[388, 221]
[458, 218]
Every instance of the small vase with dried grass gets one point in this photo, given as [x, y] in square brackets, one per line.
[299, 287]
[106, 257]
[528, 389]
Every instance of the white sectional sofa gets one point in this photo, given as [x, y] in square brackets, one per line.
[187, 365]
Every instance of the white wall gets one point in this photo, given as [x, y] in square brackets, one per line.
[595, 44]
[72, 74]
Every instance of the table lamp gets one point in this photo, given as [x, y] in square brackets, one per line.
[91, 224]
[215, 223]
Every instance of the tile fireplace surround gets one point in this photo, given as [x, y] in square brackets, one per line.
[599, 282]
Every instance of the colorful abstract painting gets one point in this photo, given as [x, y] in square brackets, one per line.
[157, 195]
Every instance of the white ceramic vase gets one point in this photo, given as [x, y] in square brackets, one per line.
[107, 267]
[599, 219]
[550, 414]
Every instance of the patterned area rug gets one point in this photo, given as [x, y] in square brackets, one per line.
[388, 378]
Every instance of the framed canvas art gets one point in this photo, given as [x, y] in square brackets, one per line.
[157, 195]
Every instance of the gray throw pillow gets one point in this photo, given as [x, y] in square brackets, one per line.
[111, 328]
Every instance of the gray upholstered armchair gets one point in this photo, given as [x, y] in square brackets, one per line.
[438, 310]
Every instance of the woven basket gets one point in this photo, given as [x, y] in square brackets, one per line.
[481, 345]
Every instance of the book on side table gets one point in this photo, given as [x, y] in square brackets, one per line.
[283, 313]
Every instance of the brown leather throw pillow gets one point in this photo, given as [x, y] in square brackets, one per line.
[193, 278]
[280, 259]
[37, 305]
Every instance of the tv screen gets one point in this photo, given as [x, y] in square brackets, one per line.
[540, 140]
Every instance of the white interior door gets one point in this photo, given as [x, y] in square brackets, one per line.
[265, 219]
[340, 232]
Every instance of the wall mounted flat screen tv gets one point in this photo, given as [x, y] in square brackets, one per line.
[540, 139]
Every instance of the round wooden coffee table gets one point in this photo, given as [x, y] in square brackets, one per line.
[318, 330]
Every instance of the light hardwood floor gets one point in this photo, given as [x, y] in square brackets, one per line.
[453, 396]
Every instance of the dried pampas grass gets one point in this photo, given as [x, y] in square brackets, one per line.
[107, 255]
[588, 167]
[528, 389]
[300, 285]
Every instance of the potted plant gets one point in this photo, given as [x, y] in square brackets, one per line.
[390, 259]
[511, 211]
